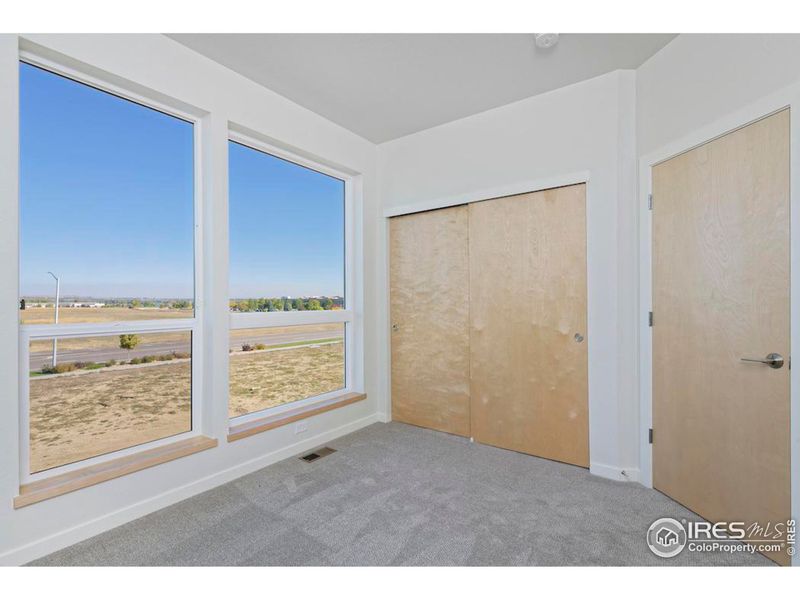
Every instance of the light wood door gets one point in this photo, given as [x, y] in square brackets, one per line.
[528, 338]
[429, 289]
[721, 293]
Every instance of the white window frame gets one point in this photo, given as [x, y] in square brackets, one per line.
[194, 325]
[346, 316]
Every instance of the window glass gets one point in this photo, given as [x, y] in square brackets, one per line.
[275, 365]
[286, 235]
[92, 395]
[106, 205]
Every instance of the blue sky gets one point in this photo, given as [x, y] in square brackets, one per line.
[286, 227]
[106, 203]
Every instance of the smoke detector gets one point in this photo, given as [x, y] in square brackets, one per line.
[546, 40]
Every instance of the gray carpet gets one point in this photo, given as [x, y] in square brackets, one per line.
[399, 495]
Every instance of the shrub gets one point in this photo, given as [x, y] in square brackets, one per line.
[181, 355]
[148, 359]
[163, 357]
[111, 363]
[136, 361]
[59, 368]
[246, 347]
[261, 346]
[128, 341]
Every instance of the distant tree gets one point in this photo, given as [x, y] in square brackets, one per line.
[287, 304]
[135, 304]
[327, 304]
[129, 341]
[314, 304]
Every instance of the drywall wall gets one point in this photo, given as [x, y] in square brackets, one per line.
[698, 78]
[162, 68]
[584, 130]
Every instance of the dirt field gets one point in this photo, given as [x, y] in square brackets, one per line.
[100, 315]
[77, 416]
[260, 380]
[239, 336]
[73, 417]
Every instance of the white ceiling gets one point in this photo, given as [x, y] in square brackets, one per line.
[384, 86]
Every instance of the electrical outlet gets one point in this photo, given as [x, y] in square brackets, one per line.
[300, 427]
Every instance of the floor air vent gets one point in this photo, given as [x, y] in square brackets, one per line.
[317, 454]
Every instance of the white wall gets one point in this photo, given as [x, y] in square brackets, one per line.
[587, 127]
[698, 78]
[161, 67]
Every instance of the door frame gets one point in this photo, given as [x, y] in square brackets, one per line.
[595, 383]
[786, 98]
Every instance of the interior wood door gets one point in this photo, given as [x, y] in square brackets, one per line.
[528, 338]
[429, 290]
[720, 294]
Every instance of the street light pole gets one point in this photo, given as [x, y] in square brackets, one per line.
[58, 294]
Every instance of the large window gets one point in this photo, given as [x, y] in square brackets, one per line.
[288, 281]
[107, 271]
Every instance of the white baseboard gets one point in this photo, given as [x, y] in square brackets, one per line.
[614, 472]
[73, 535]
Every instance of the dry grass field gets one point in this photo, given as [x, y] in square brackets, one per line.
[104, 314]
[260, 380]
[77, 416]
[83, 414]
[239, 336]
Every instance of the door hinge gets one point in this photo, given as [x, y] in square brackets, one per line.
[650, 201]
[650, 435]
[650, 318]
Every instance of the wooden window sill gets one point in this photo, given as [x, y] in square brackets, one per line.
[87, 476]
[238, 432]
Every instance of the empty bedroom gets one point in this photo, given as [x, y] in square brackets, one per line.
[423, 285]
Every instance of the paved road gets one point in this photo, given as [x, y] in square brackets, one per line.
[38, 359]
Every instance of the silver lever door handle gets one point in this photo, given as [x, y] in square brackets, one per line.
[773, 360]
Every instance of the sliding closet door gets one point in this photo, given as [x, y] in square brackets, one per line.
[429, 289]
[528, 340]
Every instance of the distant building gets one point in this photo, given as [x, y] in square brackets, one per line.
[83, 304]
